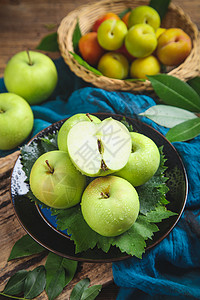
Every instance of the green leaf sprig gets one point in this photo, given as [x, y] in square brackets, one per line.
[182, 110]
[53, 277]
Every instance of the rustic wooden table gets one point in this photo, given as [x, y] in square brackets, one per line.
[23, 23]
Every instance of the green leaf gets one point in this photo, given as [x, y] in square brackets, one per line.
[79, 289]
[15, 284]
[91, 293]
[155, 187]
[159, 214]
[175, 92]
[161, 6]
[24, 247]
[35, 283]
[195, 84]
[124, 12]
[76, 36]
[59, 272]
[184, 131]
[30, 153]
[167, 116]
[49, 43]
[84, 63]
[70, 267]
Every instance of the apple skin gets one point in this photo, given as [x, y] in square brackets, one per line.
[61, 188]
[141, 67]
[68, 124]
[16, 120]
[174, 45]
[159, 31]
[90, 49]
[143, 161]
[126, 17]
[114, 65]
[141, 40]
[105, 17]
[144, 15]
[36, 82]
[110, 205]
[111, 34]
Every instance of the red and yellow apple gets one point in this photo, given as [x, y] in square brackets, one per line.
[126, 17]
[174, 45]
[90, 49]
[141, 67]
[114, 65]
[109, 15]
[111, 34]
[144, 14]
[141, 40]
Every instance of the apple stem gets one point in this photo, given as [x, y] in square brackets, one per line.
[88, 115]
[29, 58]
[50, 168]
[105, 195]
[1, 111]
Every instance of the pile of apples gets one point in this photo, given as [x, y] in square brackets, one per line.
[134, 46]
[98, 164]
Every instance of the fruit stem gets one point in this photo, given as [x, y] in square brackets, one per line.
[105, 195]
[29, 58]
[2, 111]
[51, 170]
[88, 115]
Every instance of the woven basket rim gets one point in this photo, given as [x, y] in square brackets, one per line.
[69, 22]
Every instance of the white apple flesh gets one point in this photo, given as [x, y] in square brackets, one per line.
[143, 161]
[68, 124]
[99, 149]
[16, 120]
[55, 181]
[110, 205]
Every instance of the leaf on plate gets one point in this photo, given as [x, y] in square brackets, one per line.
[59, 272]
[79, 288]
[154, 190]
[76, 36]
[168, 116]
[161, 6]
[195, 84]
[34, 283]
[24, 247]
[184, 131]
[30, 153]
[84, 63]
[175, 92]
[49, 43]
[160, 213]
[15, 284]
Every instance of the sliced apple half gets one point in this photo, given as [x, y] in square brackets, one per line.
[99, 149]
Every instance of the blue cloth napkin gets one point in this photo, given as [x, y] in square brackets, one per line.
[171, 270]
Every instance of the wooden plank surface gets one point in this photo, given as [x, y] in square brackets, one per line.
[23, 23]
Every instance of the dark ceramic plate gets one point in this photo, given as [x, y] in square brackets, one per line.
[41, 227]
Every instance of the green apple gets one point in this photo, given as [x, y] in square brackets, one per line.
[110, 205]
[111, 34]
[114, 65]
[31, 75]
[141, 40]
[55, 181]
[143, 162]
[68, 124]
[16, 120]
[99, 149]
[144, 15]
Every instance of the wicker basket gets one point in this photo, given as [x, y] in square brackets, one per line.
[87, 15]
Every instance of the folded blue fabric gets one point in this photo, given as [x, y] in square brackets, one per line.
[171, 270]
